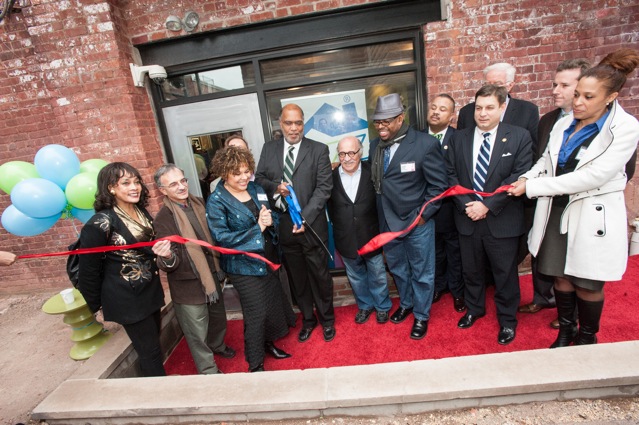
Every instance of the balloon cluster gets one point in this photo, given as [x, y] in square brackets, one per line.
[55, 185]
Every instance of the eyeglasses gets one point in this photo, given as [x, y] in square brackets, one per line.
[174, 185]
[350, 154]
[384, 123]
[291, 123]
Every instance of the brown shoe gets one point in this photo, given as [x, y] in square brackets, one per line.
[555, 324]
[530, 308]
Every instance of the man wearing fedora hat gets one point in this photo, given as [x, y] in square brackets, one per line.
[407, 171]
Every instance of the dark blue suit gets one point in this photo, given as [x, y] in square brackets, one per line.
[495, 237]
[416, 174]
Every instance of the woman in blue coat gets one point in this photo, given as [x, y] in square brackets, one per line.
[239, 217]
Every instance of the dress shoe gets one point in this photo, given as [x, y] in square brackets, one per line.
[227, 353]
[530, 308]
[271, 349]
[362, 316]
[419, 329]
[460, 304]
[329, 333]
[258, 368]
[555, 324]
[468, 320]
[305, 334]
[437, 295]
[382, 317]
[401, 314]
[506, 335]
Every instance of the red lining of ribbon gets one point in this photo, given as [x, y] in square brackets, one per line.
[384, 238]
[172, 238]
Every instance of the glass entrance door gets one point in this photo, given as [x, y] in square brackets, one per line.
[197, 130]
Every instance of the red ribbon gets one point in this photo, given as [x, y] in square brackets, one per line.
[172, 238]
[383, 238]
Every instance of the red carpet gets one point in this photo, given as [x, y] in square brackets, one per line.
[374, 343]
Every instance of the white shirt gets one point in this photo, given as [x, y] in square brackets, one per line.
[350, 182]
[479, 139]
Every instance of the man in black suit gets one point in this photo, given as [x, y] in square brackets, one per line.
[407, 170]
[563, 90]
[309, 173]
[448, 272]
[518, 112]
[483, 158]
[353, 212]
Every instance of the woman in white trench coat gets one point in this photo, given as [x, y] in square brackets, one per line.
[580, 231]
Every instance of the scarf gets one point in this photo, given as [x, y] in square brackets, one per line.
[377, 168]
[198, 257]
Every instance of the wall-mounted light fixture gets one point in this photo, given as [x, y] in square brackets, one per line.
[188, 24]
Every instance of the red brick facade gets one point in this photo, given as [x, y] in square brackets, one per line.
[64, 77]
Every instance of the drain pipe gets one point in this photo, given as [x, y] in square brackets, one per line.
[634, 239]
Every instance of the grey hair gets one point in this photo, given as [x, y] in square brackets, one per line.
[162, 171]
[361, 145]
[505, 67]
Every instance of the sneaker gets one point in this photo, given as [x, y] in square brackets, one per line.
[382, 316]
[362, 316]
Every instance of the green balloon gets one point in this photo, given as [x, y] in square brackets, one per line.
[81, 190]
[13, 172]
[92, 165]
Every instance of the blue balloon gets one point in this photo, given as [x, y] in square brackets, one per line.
[20, 224]
[82, 215]
[57, 163]
[38, 198]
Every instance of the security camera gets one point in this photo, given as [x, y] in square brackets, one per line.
[156, 72]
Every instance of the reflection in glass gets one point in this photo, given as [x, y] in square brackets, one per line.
[206, 82]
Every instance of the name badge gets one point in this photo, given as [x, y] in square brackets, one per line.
[262, 197]
[581, 153]
[407, 167]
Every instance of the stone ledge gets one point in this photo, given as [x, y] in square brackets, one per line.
[596, 371]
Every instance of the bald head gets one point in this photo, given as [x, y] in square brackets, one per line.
[350, 151]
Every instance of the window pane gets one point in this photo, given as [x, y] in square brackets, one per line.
[340, 61]
[214, 81]
[373, 87]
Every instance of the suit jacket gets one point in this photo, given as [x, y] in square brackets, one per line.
[444, 219]
[595, 217]
[234, 226]
[354, 223]
[520, 113]
[184, 279]
[125, 283]
[416, 174]
[546, 123]
[510, 157]
[312, 179]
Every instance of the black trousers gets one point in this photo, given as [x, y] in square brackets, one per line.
[145, 337]
[479, 251]
[307, 267]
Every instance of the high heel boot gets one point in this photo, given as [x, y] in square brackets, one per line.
[589, 315]
[566, 304]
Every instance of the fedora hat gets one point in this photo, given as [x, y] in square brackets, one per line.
[388, 106]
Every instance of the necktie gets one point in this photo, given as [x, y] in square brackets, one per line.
[287, 177]
[438, 136]
[386, 158]
[481, 168]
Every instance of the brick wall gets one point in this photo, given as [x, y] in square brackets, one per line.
[64, 77]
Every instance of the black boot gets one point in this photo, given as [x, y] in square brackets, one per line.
[589, 316]
[566, 303]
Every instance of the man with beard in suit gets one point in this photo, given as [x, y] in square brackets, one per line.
[353, 212]
[304, 164]
[408, 170]
[448, 273]
[483, 158]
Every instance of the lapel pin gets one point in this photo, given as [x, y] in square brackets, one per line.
[504, 140]
[445, 147]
